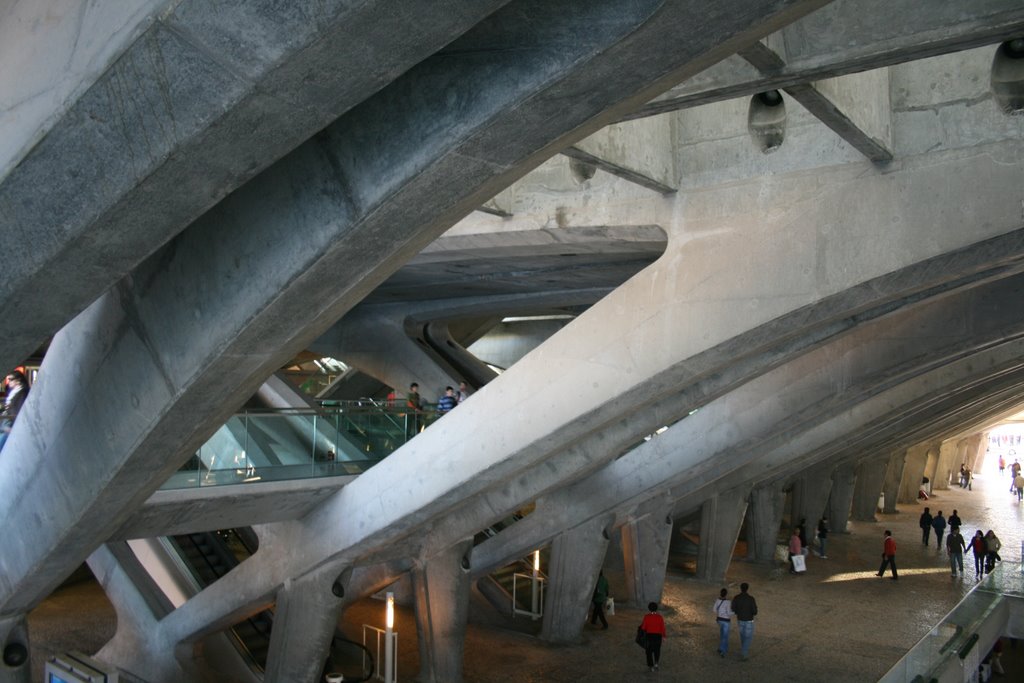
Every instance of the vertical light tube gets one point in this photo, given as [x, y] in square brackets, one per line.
[535, 586]
[389, 648]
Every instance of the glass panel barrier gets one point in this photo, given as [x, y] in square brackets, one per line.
[343, 438]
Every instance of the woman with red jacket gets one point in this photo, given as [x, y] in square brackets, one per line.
[654, 626]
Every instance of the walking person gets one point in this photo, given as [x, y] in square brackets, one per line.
[888, 555]
[1018, 481]
[822, 537]
[980, 551]
[954, 521]
[925, 522]
[955, 546]
[653, 627]
[600, 596]
[745, 608]
[939, 524]
[794, 549]
[723, 615]
[992, 546]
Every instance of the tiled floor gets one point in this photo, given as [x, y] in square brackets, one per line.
[836, 623]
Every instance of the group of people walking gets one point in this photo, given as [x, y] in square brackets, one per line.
[985, 546]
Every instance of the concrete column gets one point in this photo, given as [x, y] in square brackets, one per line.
[645, 544]
[442, 606]
[305, 620]
[840, 499]
[576, 559]
[810, 498]
[15, 666]
[766, 505]
[913, 471]
[946, 463]
[931, 462]
[871, 478]
[976, 457]
[893, 477]
[720, 520]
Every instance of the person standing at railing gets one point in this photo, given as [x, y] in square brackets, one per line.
[415, 403]
[446, 402]
[17, 391]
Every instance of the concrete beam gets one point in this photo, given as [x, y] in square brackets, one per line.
[192, 102]
[441, 585]
[641, 152]
[850, 36]
[871, 94]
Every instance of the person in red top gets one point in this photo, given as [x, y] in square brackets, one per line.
[888, 555]
[654, 626]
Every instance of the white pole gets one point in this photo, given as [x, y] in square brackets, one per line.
[389, 648]
[535, 586]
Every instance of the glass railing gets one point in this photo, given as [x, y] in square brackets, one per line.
[956, 643]
[342, 438]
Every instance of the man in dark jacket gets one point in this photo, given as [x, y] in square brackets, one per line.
[745, 608]
[926, 525]
[939, 524]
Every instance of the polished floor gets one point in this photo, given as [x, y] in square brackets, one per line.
[837, 622]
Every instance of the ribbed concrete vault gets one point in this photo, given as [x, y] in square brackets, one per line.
[819, 312]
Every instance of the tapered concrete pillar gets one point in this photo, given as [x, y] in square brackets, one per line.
[305, 620]
[645, 544]
[976, 454]
[913, 471]
[946, 463]
[871, 477]
[15, 666]
[763, 520]
[840, 500]
[576, 559]
[442, 606]
[931, 463]
[810, 498]
[720, 520]
[893, 477]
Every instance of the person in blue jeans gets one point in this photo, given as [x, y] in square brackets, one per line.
[723, 615]
[745, 608]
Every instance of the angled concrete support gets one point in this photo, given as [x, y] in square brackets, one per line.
[645, 544]
[442, 604]
[840, 500]
[641, 152]
[305, 620]
[945, 464]
[766, 506]
[810, 498]
[576, 559]
[721, 518]
[931, 464]
[913, 471]
[871, 477]
[977, 446]
[891, 481]
[15, 666]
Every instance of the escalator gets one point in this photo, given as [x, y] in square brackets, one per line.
[210, 555]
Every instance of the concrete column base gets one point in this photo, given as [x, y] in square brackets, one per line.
[870, 479]
[721, 518]
[893, 478]
[15, 665]
[576, 559]
[766, 506]
[442, 586]
[645, 545]
[305, 620]
[840, 500]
